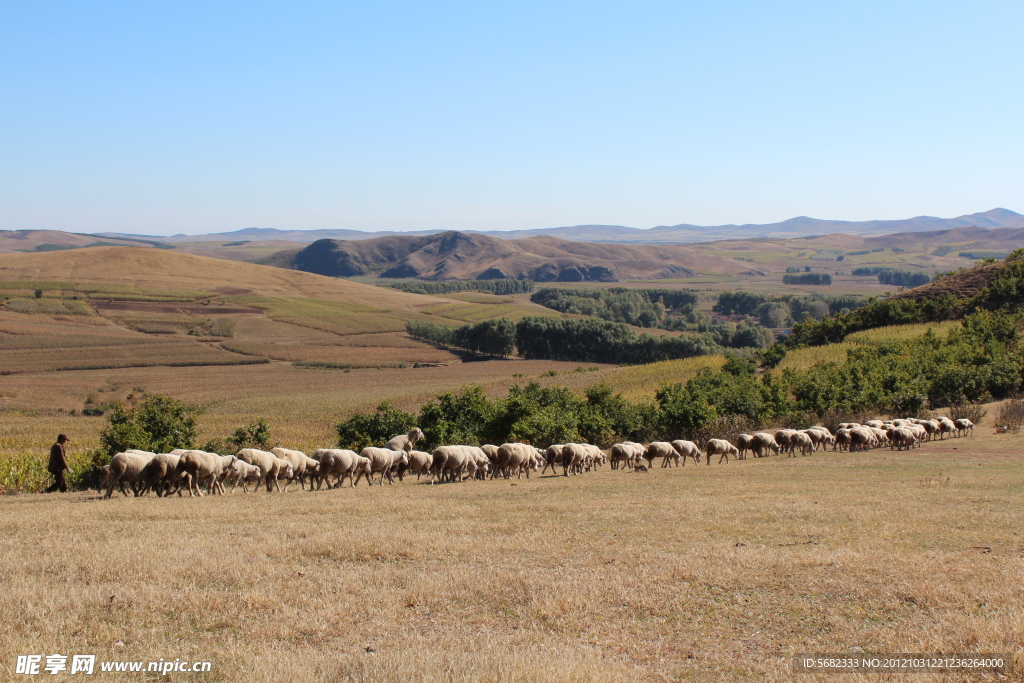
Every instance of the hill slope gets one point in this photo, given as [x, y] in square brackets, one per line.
[161, 269]
[461, 256]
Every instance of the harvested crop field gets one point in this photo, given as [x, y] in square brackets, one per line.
[696, 573]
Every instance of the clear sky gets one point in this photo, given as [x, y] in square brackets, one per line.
[189, 117]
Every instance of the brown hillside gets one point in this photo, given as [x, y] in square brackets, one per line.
[961, 285]
[15, 241]
[460, 256]
[160, 268]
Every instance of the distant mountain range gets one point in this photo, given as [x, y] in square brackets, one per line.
[462, 256]
[801, 226]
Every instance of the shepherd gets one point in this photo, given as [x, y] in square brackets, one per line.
[58, 464]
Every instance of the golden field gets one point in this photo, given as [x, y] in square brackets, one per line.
[693, 573]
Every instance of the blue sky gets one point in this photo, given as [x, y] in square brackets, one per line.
[169, 117]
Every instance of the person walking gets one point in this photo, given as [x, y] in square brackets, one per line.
[58, 463]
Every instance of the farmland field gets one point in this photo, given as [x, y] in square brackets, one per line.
[695, 573]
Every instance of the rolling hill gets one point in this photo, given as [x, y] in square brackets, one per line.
[113, 307]
[462, 256]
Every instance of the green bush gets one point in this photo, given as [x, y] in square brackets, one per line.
[254, 435]
[159, 424]
[374, 429]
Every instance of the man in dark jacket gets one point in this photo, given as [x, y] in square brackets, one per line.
[58, 463]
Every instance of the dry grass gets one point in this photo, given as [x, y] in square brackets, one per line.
[802, 359]
[343, 355]
[603, 577]
[899, 332]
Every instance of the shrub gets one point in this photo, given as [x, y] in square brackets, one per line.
[972, 411]
[374, 429]
[253, 435]
[1011, 415]
[159, 424]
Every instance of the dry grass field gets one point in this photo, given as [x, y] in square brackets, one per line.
[695, 573]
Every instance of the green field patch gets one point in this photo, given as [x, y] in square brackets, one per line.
[478, 298]
[47, 306]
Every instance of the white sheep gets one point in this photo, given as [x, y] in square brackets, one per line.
[383, 460]
[161, 474]
[420, 462]
[201, 467]
[300, 464]
[719, 447]
[661, 449]
[626, 454]
[126, 468]
[242, 473]
[455, 462]
[404, 442]
[963, 426]
[270, 465]
[687, 449]
[340, 463]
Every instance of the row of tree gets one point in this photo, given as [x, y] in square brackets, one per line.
[500, 286]
[639, 307]
[806, 279]
[892, 276]
[580, 340]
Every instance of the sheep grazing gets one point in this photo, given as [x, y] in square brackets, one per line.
[404, 442]
[687, 449]
[861, 439]
[270, 465]
[242, 473]
[744, 443]
[574, 455]
[161, 474]
[127, 468]
[661, 449]
[719, 447]
[963, 426]
[800, 440]
[515, 458]
[454, 463]
[553, 456]
[946, 426]
[783, 438]
[820, 436]
[624, 455]
[384, 460]
[340, 463]
[902, 438]
[420, 462]
[302, 465]
[203, 467]
[762, 443]
[843, 439]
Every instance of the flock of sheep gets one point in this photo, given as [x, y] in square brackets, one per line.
[193, 470]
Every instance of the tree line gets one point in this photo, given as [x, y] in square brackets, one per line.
[500, 286]
[639, 307]
[892, 276]
[580, 340]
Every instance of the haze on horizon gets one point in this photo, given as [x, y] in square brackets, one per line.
[188, 118]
